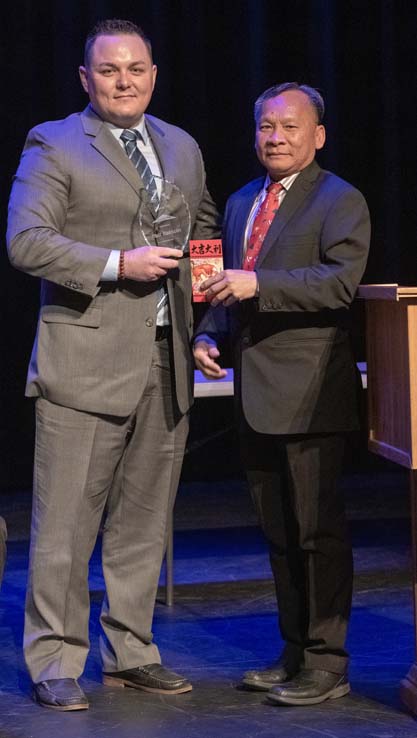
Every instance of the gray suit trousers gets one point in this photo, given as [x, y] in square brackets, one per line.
[87, 465]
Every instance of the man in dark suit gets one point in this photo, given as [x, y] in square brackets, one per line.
[296, 245]
[102, 207]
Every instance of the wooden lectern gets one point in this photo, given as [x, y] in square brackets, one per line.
[391, 338]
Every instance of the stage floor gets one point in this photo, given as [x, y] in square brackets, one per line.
[224, 622]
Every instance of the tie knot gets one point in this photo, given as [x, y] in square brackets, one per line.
[274, 188]
[130, 135]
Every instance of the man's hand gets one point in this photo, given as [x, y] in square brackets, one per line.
[205, 354]
[229, 286]
[149, 263]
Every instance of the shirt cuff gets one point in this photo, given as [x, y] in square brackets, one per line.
[111, 270]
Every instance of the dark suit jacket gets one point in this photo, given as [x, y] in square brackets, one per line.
[294, 367]
[75, 197]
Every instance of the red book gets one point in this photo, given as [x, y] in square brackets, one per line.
[206, 259]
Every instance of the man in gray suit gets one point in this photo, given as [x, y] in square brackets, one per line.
[102, 206]
[296, 245]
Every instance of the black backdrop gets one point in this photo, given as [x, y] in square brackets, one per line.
[214, 58]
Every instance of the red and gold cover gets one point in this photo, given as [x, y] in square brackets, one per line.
[206, 259]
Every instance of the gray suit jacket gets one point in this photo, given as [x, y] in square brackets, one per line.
[294, 366]
[75, 197]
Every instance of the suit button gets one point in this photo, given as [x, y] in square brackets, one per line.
[73, 285]
[246, 341]
[149, 322]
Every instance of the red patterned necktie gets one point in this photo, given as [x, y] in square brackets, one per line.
[263, 220]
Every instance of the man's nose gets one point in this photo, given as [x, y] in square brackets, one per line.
[123, 80]
[276, 136]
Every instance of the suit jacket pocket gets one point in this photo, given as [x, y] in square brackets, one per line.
[91, 318]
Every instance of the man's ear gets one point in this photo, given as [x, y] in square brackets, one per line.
[83, 77]
[320, 137]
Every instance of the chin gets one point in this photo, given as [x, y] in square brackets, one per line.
[126, 113]
[278, 173]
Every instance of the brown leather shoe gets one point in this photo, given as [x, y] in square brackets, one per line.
[60, 694]
[310, 687]
[149, 678]
[261, 681]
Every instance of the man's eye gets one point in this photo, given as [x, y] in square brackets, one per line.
[107, 72]
[265, 127]
[137, 70]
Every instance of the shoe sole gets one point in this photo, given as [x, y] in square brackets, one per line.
[109, 681]
[62, 708]
[334, 694]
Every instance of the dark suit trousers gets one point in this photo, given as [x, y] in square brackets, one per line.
[293, 482]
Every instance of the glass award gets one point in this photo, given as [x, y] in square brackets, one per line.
[167, 222]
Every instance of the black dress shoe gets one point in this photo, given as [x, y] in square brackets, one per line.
[60, 694]
[262, 681]
[310, 687]
[150, 678]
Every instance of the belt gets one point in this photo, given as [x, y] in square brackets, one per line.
[162, 332]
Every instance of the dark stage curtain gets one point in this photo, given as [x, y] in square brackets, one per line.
[214, 58]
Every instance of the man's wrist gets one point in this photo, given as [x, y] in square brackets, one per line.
[204, 337]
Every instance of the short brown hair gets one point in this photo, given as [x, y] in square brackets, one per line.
[113, 27]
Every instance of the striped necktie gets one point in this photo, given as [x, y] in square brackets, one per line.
[129, 138]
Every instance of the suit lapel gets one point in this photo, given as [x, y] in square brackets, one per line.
[239, 226]
[292, 201]
[104, 142]
[162, 147]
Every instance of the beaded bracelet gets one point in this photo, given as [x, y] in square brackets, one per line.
[121, 274]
